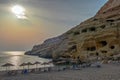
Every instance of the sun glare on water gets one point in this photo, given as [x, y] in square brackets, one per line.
[14, 53]
[19, 11]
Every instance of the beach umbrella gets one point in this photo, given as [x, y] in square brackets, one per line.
[50, 63]
[7, 65]
[23, 64]
[29, 64]
[60, 62]
[37, 63]
[44, 63]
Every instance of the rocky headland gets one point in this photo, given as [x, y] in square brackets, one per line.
[95, 38]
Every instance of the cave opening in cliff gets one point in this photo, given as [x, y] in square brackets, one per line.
[88, 49]
[112, 47]
[97, 54]
[103, 26]
[110, 20]
[84, 30]
[76, 33]
[72, 48]
[95, 19]
[104, 51]
[92, 29]
[93, 48]
[103, 43]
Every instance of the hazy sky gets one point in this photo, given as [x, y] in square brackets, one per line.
[45, 19]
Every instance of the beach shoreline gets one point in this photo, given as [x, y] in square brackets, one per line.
[106, 72]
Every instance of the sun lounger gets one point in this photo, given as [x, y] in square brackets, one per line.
[25, 71]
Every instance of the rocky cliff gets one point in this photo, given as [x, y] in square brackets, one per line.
[97, 37]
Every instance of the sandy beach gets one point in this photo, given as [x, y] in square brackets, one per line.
[106, 72]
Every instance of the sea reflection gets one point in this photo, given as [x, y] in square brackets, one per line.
[16, 61]
[16, 58]
[14, 52]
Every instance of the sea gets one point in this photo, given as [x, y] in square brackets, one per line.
[17, 58]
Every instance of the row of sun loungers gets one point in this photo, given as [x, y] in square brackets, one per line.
[50, 69]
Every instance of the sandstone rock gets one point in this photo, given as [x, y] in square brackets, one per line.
[97, 37]
[110, 10]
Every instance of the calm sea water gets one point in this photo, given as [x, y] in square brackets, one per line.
[18, 58]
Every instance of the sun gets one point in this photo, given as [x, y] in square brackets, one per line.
[19, 11]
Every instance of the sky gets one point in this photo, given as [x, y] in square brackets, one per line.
[43, 19]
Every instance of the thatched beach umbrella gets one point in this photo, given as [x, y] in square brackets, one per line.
[50, 63]
[7, 65]
[37, 63]
[60, 62]
[23, 65]
[29, 64]
[44, 64]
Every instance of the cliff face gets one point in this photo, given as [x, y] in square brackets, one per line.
[110, 9]
[96, 37]
[47, 49]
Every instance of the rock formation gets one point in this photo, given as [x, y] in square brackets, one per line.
[97, 37]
